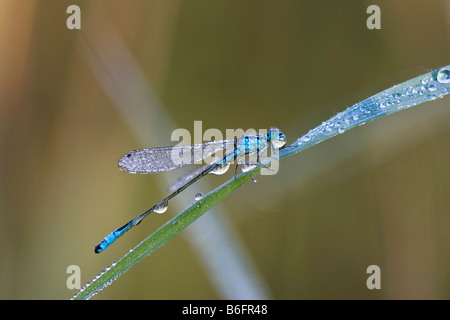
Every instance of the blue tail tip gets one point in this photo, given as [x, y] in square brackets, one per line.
[100, 247]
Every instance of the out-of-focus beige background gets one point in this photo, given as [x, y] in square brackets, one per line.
[378, 194]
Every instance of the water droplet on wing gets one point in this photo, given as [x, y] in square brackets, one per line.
[161, 207]
[221, 169]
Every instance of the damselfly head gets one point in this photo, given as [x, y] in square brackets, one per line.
[276, 137]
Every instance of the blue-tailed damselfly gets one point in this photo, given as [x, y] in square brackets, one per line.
[152, 160]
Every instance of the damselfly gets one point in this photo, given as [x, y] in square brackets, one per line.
[151, 160]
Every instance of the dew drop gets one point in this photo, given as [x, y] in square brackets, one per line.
[221, 169]
[432, 97]
[443, 75]
[382, 105]
[161, 207]
[198, 196]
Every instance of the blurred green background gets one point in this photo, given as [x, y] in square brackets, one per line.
[378, 194]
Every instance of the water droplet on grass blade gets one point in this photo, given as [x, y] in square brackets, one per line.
[198, 196]
[443, 75]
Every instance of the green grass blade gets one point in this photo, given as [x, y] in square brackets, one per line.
[427, 87]
[163, 234]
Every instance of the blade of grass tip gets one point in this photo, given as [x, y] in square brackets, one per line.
[427, 87]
